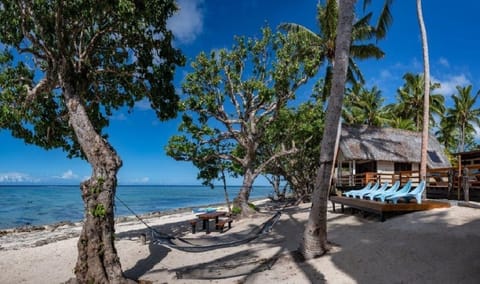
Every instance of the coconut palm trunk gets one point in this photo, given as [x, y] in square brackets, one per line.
[426, 97]
[315, 235]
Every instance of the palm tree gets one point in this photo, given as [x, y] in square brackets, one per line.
[426, 97]
[401, 123]
[364, 106]
[323, 42]
[446, 133]
[315, 236]
[464, 116]
[410, 103]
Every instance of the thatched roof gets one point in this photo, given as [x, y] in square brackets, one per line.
[389, 144]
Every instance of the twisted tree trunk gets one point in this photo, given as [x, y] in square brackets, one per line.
[97, 257]
[241, 201]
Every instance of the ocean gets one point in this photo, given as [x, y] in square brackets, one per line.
[48, 204]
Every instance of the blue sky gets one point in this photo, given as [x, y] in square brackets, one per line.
[203, 25]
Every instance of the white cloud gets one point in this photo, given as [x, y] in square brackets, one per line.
[449, 83]
[16, 177]
[444, 62]
[385, 74]
[477, 133]
[141, 180]
[68, 175]
[187, 24]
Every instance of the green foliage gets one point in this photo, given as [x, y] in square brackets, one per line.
[94, 190]
[410, 101]
[99, 211]
[236, 210]
[109, 53]
[322, 44]
[461, 119]
[303, 125]
[233, 96]
[252, 206]
[364, 106]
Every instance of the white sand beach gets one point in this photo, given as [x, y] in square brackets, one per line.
[436, 246]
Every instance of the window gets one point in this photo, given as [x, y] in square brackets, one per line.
[366, 167]
[399, 167]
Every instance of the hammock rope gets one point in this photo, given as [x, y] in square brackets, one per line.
[182, 244]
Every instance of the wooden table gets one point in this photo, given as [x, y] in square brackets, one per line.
[206, 217]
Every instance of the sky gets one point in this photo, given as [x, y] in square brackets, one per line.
[205, 25]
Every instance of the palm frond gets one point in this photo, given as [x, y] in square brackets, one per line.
[306, 33]
[366, 51]
[385, 20]
[354, 73]
[362, 30]
[327, 17]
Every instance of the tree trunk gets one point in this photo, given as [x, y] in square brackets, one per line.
[241, 201]
[227, 199]
[97, 257]
[315, 235]
[426, 97]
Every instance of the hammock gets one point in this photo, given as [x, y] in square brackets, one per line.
[196, 245]
[189, 245]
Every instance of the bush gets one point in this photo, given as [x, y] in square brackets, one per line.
[236, 210]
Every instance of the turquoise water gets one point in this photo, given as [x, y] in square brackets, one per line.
[40, 205]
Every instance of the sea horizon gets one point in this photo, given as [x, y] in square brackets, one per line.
[35, 205]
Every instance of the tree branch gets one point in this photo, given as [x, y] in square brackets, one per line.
[282, 153]
[93, 41]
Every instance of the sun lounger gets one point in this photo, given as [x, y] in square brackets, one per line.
[372, 191]
[350, 192]
[360, 193]
[386, 189]
[404, 189]
[414, 193]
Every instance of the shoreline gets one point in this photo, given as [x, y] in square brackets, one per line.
[33, 236]
[122, 218]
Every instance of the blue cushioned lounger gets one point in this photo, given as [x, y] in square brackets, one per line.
[414, 193]
[386, 190]
[404, 189]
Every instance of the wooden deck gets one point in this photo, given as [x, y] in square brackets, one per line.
[381, 209]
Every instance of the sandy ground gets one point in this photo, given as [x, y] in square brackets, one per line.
[436, 246]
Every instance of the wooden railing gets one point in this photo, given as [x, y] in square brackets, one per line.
[441, 183]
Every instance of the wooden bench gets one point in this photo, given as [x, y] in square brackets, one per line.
[380, 208]
[221, 224]
[193, 223]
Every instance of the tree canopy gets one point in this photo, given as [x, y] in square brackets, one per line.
[120, 51]
[232, 98]
[65, 67]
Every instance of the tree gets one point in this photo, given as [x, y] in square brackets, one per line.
[323, 43]
[401, 123]
[446, 134]
[65, 67]
[315, 235]
[364, 106]
[303, 124]
[233, 96]
[410, 102]
[463, 116]
[426, 96]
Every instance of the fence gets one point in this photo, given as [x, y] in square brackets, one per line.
[448, 183]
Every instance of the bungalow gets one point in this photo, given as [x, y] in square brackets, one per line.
[367, 152]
